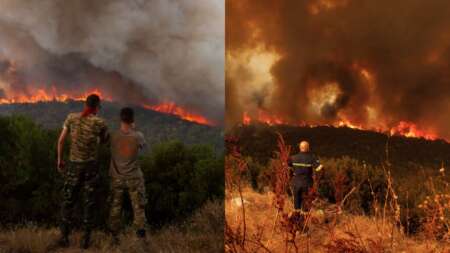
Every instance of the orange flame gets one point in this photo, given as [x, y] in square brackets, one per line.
[409, 129]
[404, 128]
[41, 95]
[269, 119]
[246, 120]
[262, 117]
[346, 123]
[172, 108]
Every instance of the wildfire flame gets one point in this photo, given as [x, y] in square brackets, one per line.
[410, 129]
[41, 95]
[259, 62]
[404, 128]
[262, 117]
[172, 108]
[246, 120]
[346, 123]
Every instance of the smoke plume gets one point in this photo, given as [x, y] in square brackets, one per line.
[142, 51]
[371, 63]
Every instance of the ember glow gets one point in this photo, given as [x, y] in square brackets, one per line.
[409, 129]
[262, 117]
[337, 63]
[406, 129]
[41, 95]
[172, 108]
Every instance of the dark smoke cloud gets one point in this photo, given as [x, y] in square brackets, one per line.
[405, 45]
[141, 50]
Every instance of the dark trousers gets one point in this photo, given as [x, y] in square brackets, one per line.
[80, 182]
[300, 187]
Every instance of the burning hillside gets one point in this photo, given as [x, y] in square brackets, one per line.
[363, 64]
[404, 128]
[41, 95]
[156, 126]
[260, 141]
[163, 55]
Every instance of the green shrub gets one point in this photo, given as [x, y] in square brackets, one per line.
[179, 178]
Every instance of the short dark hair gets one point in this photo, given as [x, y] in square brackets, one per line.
[92, 101]
[127, 115]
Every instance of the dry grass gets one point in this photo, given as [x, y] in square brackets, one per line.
[349, 234]
[265, 222]
[201, 233]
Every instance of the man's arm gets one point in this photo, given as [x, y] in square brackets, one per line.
[104, 136]
[142, 143]
[316, 164]
[61, 140]
[104, 133]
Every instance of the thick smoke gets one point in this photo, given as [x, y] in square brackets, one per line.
[143, 51]
[404, 47]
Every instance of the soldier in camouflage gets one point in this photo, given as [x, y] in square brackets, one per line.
[126, 174]
[86, 131]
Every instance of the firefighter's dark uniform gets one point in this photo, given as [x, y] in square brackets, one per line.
[303, 165]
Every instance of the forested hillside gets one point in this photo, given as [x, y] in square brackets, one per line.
[260, 141]
[156, 126]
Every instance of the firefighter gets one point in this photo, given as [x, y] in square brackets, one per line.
[86, 131]
[303, 164]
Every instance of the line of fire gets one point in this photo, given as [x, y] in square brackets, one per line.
[53, 95]
[324, 62]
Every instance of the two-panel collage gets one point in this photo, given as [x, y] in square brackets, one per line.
[236, 126]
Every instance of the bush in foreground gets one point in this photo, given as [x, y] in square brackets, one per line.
[364, 209]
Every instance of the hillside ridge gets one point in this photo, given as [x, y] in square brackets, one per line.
[156, 126]
[260, 141]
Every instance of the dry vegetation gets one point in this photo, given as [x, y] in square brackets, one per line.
[201, 233]
[263, 222]
[265, 231]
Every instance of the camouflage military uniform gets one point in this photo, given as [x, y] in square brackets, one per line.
[136, 190]
[85, 133]
[82, 171]
[126, 176]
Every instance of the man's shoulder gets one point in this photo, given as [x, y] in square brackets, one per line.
[303, 156]
[98, 120]
[134, 133]
[296, 156]
[313, 158]
[73, 115]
